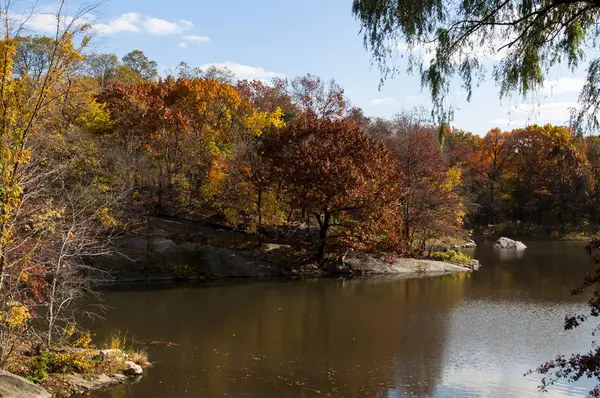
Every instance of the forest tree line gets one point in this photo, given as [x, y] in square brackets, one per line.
[294, 152]
[271, 154]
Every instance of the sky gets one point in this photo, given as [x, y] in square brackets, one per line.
[262, 39]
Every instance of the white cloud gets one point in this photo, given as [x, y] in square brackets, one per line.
[128, 22]
[534, 113]
[508, 122]
[245, 71]
[45, 22]
[382, 101]
[196, 39]
[182, 45]
[557, 112]
[563, 85]
[157, 26]
[530, 113]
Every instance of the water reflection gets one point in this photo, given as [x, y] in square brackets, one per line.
[454, 335]
[509, 255]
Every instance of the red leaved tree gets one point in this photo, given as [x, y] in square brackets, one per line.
[340, 175]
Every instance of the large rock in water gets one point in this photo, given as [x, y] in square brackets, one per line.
[370, 264]
[13, 386]
[505, 243]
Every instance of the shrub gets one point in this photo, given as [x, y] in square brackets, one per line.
[47, 361]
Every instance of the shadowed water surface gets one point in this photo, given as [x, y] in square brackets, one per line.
[455, 335]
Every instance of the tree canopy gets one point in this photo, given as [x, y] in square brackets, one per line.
[525, 37]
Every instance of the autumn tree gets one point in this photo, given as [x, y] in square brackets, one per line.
[268, 97]
[190, 129]
[315, 98]
[250, 193]
[429, 206]
[592, 148]
[41, 251]
[497, 151]
[340, 175]
[554, 190]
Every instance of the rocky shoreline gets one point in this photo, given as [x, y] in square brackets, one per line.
[111, 367]
[189, 261]
[187, 250]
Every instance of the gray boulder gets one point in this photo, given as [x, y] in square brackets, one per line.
[13, 386]
[470, 244]
[132, 369]
[506, 243]
[474, 265]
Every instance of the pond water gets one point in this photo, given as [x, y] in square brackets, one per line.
[455, 335]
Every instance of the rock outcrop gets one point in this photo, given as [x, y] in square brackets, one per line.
[209, 254]
[79, 384]
[369, 264]
[506, 243]
[13, 386]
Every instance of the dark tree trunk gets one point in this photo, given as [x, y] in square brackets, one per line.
[259, 211]
[324, 227]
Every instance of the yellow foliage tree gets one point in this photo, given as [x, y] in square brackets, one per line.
[28, 101]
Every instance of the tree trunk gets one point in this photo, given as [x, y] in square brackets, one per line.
[492, 205]
[324, 227]
[259, 211]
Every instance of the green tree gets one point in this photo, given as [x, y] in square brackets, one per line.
[102, 67]
[33, 55]
[529, 36]
[137, 60]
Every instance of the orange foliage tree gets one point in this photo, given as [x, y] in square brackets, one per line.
[184, 126]
[548, 175]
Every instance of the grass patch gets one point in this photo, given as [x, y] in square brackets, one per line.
[119, 341]
[451, 256]
[140, 358]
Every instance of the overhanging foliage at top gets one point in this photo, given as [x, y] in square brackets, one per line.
[525, 37]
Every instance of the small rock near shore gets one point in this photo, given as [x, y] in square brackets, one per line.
[470, 244]
[132, 369]
[506, 243]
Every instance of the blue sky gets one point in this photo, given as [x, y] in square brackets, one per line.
[266, 38]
